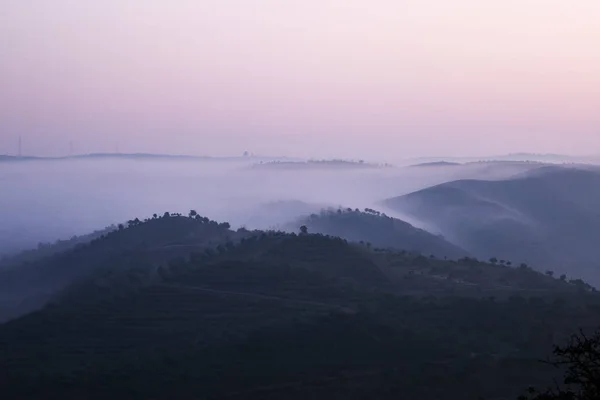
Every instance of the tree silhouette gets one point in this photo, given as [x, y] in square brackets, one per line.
[134, 222]
[580, 359]
[192, 213]
[493, 260]
[303, 230]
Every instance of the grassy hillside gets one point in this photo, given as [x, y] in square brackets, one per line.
[275, 315]
[548, 218]
[377, 229]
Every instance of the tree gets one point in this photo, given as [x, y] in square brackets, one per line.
[563, 277]
[121, 227]
[580, 359]
[192, 213]
[550, 273]
[154, 216]
[134, 222]
[166, 215]
[303, 230]
[493, 260]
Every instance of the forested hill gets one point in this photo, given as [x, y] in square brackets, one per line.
[548, 217]
[375, 228]
[44, 272]
[181, 306]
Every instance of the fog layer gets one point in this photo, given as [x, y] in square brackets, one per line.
[42, 201]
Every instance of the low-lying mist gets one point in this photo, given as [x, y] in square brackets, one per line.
[42, 201]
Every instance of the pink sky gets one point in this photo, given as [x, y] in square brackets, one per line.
[351, 78]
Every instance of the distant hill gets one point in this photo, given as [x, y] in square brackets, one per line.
[144, 156]
[103, 156]
[436, 164]
[516, 157]
[379, 230]
[160, 310]
[548, 217]
[318, 164]
[16, 158]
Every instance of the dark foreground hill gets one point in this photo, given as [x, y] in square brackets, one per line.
[548, 218]
[165, 312]
[374, 228]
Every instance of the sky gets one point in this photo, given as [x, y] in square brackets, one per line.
[374, 79]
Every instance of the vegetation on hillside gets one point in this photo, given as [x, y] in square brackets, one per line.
[47, 271]
[547, 218]
[183, 307]
[580, 359]
[375, 228]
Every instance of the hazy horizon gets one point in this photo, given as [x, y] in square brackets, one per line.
[355, 79]
[283, 156]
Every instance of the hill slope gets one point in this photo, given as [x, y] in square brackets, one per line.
[42, 273]
[548, 218]
[379, 230]
[164, 311]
